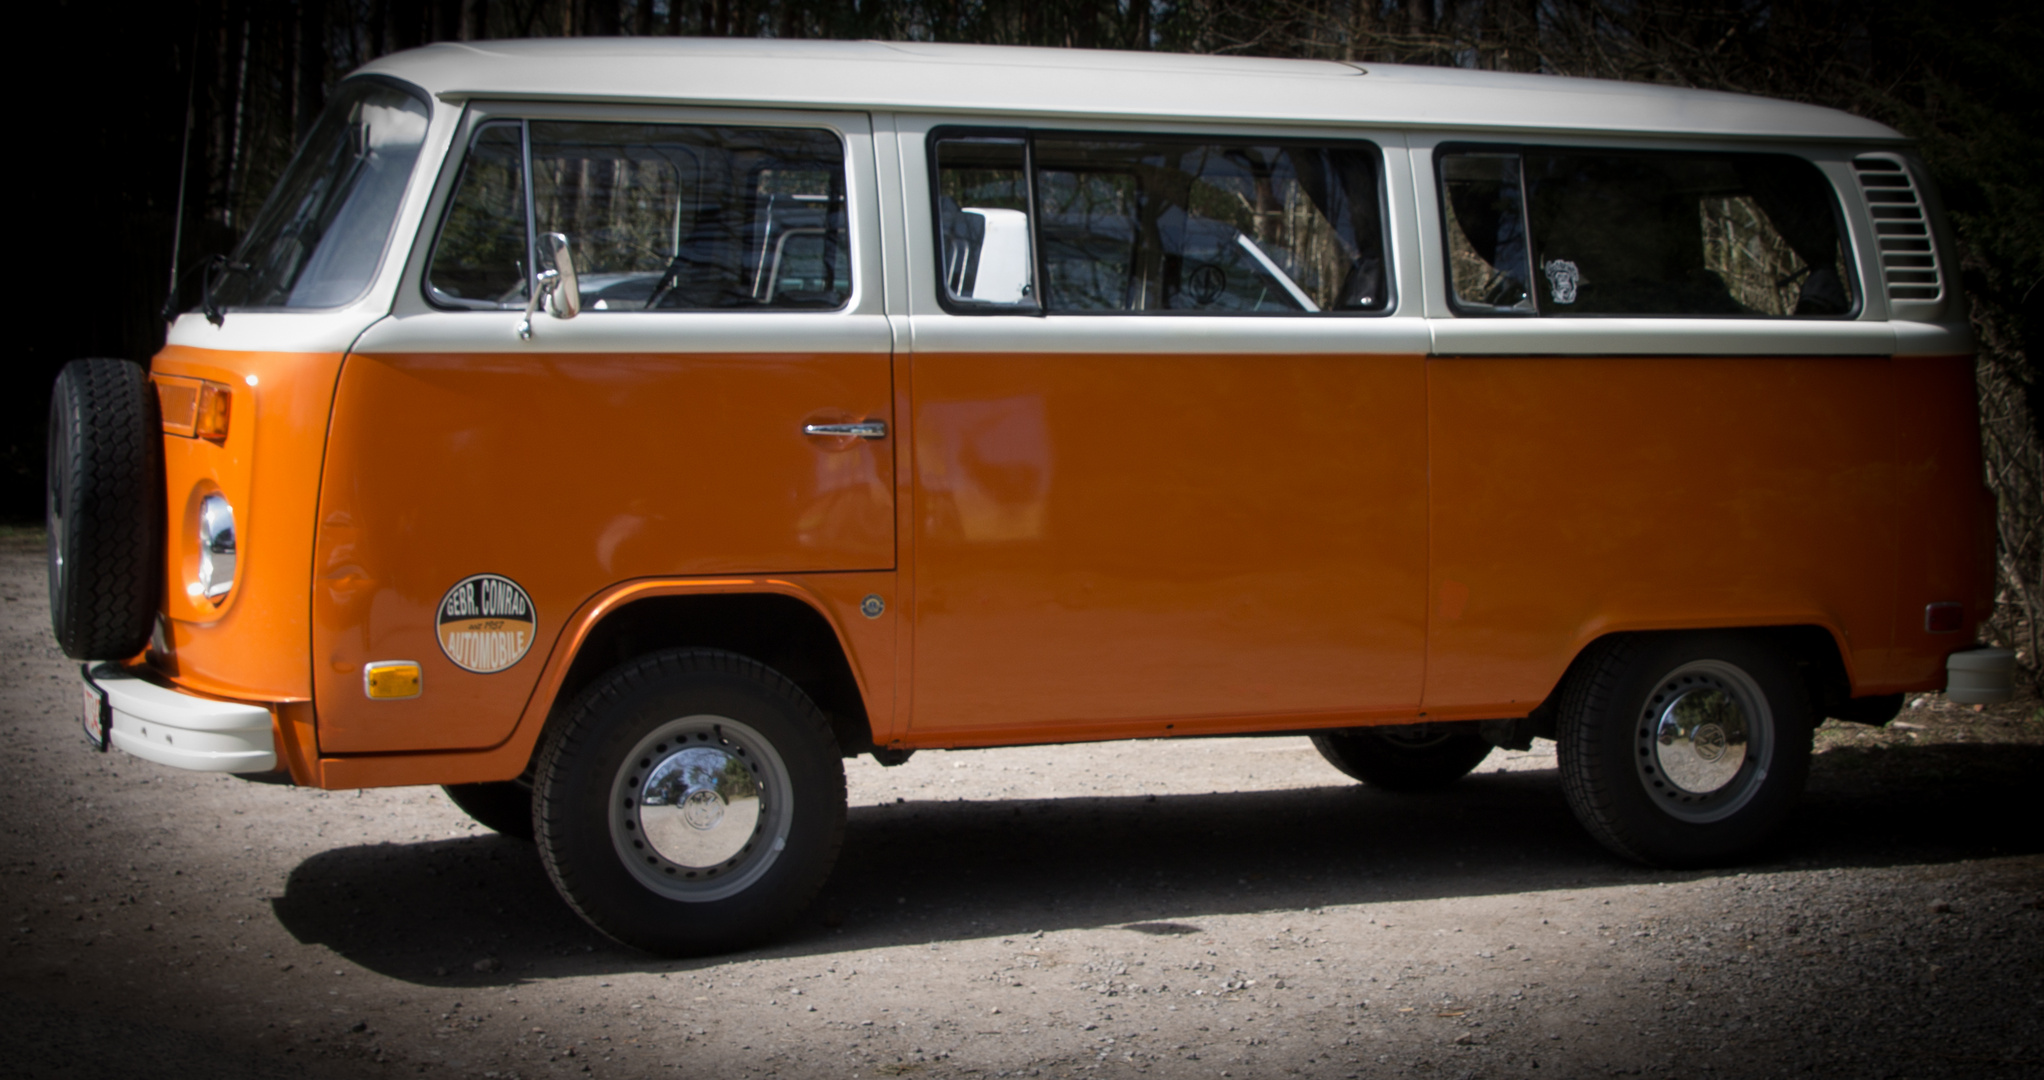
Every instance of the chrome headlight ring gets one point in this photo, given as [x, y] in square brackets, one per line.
[216, 548]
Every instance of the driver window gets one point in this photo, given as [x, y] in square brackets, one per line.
[658, 217]
[480, 258]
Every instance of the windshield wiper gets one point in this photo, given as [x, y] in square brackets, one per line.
[217, 269]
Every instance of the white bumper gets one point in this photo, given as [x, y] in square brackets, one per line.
[185, 731]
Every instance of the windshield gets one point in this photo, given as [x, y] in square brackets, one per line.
[319, 238]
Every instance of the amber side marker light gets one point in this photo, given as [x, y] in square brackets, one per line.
[1943, 618]
[393, 680]
[216, 407]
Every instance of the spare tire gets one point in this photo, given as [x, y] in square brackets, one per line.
[104, 509]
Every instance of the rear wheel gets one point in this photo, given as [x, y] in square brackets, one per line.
[1684, 749]
[691, 802]
[504, 806]
[1417, 757]
[104, 509]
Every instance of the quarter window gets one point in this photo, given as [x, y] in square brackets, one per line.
[1106, 223]
[1572, 232]
[657, 216]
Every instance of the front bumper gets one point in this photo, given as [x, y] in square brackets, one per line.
[182, 730]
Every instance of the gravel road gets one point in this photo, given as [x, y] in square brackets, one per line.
[1196, 908]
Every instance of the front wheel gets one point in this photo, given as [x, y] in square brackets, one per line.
[1684, 749]
[501, 806]
[692, 801]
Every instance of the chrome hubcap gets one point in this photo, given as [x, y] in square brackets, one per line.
[1700, 742]
[700, 808]
[1705, 738]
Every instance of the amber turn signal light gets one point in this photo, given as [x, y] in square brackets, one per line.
[216, 406]
[392, 680]
[1943, 618]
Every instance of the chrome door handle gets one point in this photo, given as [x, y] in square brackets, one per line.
[864, 429]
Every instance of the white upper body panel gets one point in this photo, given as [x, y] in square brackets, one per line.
[995, 81]
[906, 89]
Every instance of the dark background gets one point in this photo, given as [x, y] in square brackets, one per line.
[98, 154]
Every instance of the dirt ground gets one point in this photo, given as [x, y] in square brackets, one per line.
[1196, 908]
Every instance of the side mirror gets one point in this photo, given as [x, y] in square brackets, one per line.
[557, 288]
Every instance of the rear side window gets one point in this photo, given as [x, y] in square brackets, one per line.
[657, 216]
[1114, 224]
[1561, 232]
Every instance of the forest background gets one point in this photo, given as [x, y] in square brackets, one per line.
[246, 78]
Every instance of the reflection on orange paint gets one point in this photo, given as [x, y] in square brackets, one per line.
[985, 469]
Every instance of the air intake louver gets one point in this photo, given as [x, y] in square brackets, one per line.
[1908, 261]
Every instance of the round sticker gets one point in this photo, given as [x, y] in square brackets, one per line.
[486, 623]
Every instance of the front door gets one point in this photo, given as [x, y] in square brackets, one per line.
[1169, 443]
[484, 480]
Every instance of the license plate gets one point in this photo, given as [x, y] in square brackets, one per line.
[95, 715]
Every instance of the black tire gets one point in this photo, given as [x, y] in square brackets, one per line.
[104, 509]
[1651, 754]
[1422, 757]
[504, 806]
[751, 811]
[1873, 711]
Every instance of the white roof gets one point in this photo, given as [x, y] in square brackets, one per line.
[1006, 81]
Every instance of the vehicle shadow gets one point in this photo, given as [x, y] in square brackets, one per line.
[479, 911]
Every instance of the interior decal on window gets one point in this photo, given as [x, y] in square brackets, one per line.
[1207, 282]
[1562, 278]
[486, 623]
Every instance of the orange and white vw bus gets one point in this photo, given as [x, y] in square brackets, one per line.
[621, 433]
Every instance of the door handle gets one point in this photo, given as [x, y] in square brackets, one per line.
[864, 429]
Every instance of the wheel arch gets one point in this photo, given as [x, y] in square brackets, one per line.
[1817, 651]
[776, 622]
[785, 632]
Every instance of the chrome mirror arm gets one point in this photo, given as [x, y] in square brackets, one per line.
[564, 300]
[542, 284]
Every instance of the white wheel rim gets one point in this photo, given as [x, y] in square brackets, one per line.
[1704, 741]
[700, 808]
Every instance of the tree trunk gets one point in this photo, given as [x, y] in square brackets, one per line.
[309, 88]
[446, 21]
[1361, 29]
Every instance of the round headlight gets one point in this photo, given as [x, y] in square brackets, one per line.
[216, 547]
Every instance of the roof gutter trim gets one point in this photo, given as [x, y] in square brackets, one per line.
[462, 96]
